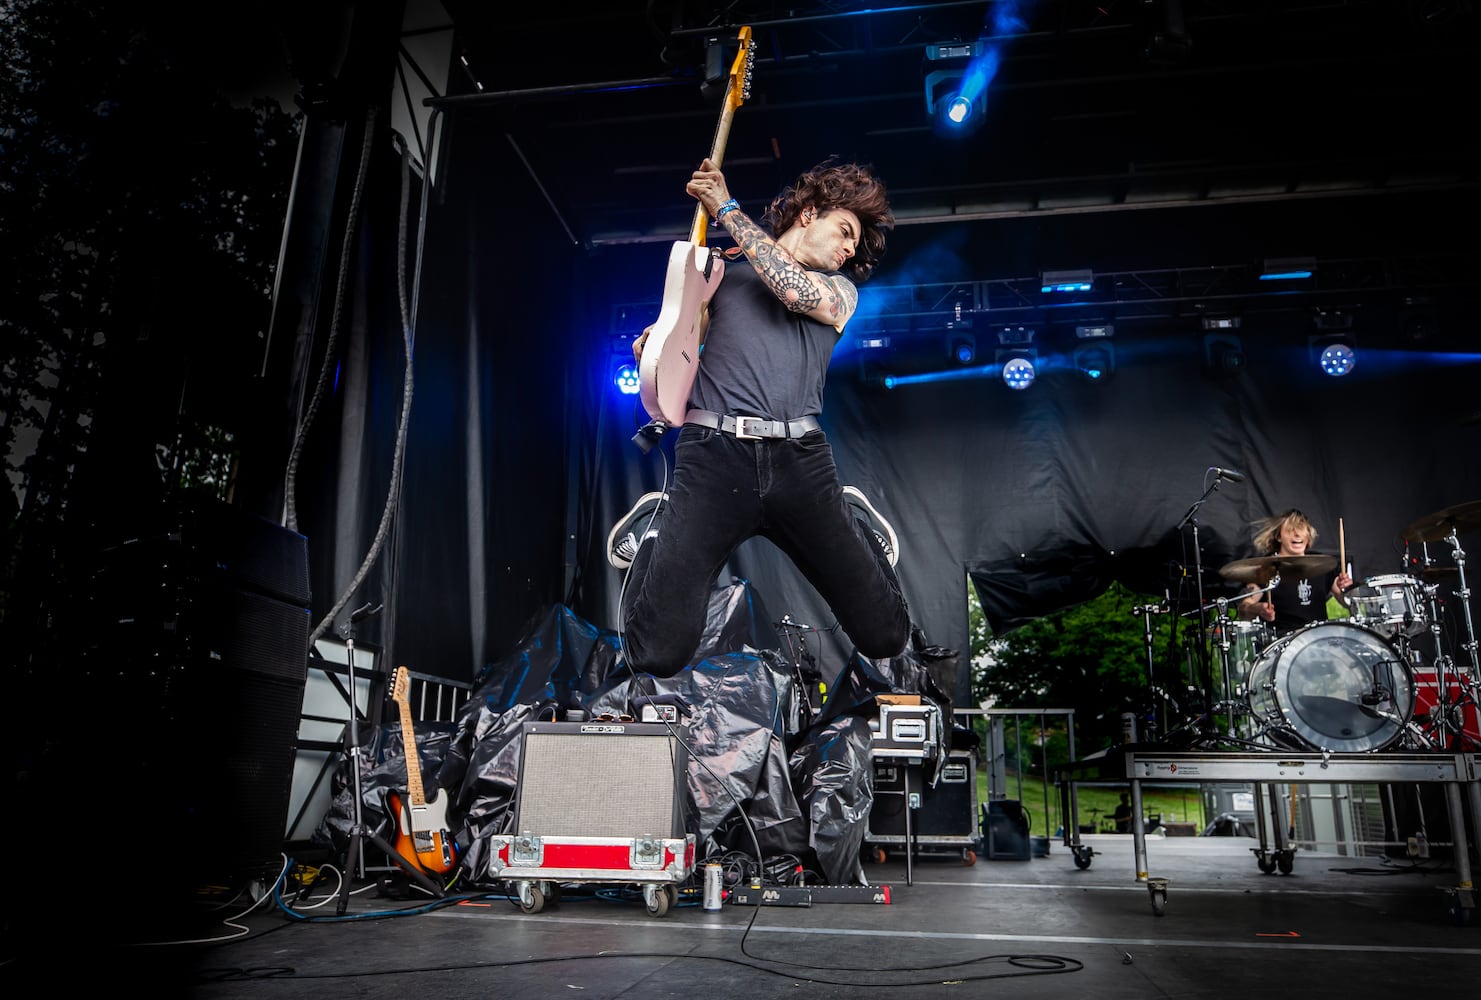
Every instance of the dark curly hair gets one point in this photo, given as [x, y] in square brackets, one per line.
[832, 185]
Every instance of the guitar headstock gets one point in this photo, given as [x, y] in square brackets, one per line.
[401, 687]
[740, 71]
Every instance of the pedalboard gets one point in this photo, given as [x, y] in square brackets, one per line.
[807, 895]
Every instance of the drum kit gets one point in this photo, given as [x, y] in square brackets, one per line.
[1380, 679]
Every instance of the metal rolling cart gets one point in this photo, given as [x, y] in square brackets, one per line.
[1137, 765]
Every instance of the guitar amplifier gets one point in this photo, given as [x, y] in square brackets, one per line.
[598, 802]
[601, 779]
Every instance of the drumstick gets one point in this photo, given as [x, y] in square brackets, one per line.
[1342, 546]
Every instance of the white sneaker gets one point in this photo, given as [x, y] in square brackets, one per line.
[884, 532]
[622, 540]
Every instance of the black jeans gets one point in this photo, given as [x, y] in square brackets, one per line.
[726, 490]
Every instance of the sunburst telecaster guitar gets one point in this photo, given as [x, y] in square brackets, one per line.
[670, 355]
[422, 835]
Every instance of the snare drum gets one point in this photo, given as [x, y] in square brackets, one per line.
[1389, 605]
[1332, 685]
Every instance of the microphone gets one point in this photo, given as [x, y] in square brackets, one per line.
[1229, 474]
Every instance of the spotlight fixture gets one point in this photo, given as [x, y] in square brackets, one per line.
[1082, 280]
[1335, 356]
[1018, 367]
[1095, 360]
[1287, 268]
[962, 348]
[1223, 354]
[625, 378]
[955, 89]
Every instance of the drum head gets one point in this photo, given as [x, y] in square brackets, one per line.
[1335, 685]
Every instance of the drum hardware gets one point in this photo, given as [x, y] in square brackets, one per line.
[1153, 725]
[1445, 525]
[1333, 686]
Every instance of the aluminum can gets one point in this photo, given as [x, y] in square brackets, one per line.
[714, 886]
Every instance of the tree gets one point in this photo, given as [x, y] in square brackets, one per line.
[142, 211]
[1091, 658]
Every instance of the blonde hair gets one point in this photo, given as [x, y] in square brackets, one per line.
[1267, 530]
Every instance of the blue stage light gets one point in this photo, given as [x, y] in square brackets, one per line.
[1288, 269]
[1018, 371]
[625, 378]
[1337, 358]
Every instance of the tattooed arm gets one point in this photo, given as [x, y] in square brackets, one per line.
[827, 298]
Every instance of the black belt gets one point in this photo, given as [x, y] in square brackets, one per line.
[751, 428]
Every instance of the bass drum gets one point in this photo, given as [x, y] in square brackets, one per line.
[1331, 686]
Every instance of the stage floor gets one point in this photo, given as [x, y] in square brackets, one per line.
[1334, 927]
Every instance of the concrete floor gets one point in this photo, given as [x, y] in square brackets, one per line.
[1334, 927]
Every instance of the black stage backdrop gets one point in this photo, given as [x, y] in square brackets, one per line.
[519, 454]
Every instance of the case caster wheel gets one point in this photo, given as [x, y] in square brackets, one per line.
[878, 855]
[1286, 860]
[659, 898]
[1265, 861]
[1083, 856]
[969, 857]
[531, 897]
[1157, 889]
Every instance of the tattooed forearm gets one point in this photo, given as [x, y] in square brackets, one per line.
[778, 268]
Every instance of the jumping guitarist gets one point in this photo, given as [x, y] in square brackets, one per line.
[751, 456]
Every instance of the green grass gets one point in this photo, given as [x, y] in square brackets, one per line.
[1095, 803]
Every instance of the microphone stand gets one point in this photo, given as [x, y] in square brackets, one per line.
[1191, 518]
[359, 832]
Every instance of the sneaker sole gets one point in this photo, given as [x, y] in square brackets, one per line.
[627, 521]
[863, 501]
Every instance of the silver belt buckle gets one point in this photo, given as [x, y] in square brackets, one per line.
[740, 429]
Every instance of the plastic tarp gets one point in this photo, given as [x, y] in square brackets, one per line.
[764, 774]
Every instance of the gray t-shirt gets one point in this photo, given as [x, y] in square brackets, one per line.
[759, 359]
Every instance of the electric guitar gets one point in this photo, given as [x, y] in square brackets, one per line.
[422, 836]
[671, 351]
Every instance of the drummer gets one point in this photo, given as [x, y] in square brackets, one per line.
[1295, 601]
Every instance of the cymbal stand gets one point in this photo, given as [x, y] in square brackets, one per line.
[1159, 696]
[354, 860]
[1465, 679]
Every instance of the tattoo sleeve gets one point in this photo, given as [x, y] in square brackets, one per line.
[788, 279]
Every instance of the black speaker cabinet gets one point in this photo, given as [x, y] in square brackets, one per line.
[1005, 835]
[947, 813]
[601, 779]
[197, 654]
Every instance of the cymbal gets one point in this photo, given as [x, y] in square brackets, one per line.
[1437, 526]
[1438, 572]
[1260, 569]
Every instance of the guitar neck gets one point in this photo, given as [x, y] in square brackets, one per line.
[413, 766]
[717, 155]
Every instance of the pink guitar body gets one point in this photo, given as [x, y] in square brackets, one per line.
[671, 354]
[670, 357]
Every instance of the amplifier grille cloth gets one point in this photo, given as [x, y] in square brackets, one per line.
[586, 785]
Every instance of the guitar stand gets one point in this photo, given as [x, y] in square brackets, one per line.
[359, 833]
